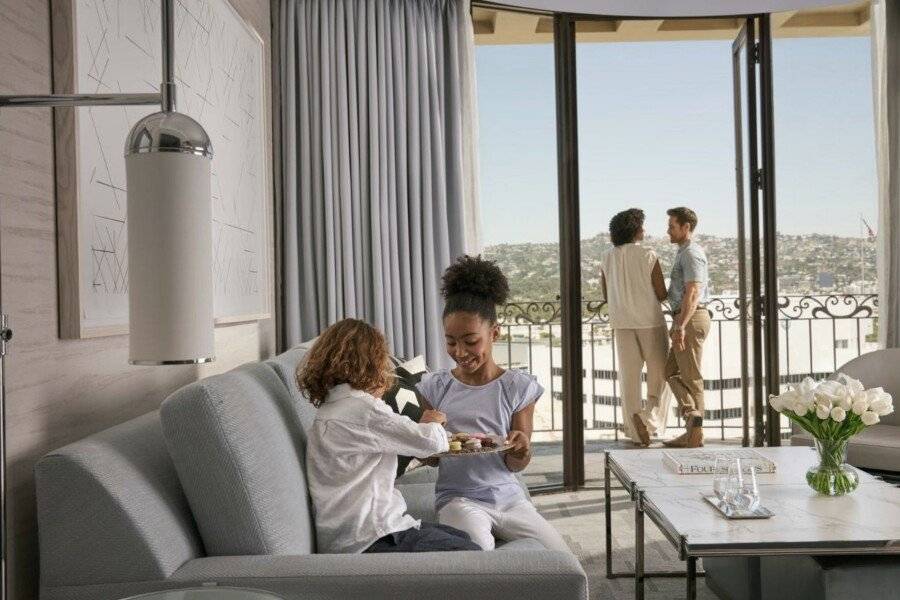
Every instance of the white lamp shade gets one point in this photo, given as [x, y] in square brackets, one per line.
[170, 278]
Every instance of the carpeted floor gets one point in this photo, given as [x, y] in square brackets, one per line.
[579, 517]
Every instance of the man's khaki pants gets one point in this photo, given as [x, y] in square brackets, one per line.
[683, 366]
[634, 347]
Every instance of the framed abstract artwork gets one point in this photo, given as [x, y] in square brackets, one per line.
[114, 46]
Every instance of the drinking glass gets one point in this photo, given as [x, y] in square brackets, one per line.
[734, 486]
[720, 475]
[750, 489]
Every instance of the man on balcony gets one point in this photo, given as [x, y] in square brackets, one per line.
[690, 325]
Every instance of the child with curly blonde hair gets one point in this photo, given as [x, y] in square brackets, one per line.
[353, 444]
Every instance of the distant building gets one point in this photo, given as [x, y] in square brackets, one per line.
[825, 280]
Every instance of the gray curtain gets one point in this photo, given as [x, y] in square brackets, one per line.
[378, 167]
[886, 80]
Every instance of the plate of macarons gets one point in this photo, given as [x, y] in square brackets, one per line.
[474, 444]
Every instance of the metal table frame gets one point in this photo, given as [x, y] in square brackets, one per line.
[639, 574]
[690, 553]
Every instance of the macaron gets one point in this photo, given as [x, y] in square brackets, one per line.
[473, 444]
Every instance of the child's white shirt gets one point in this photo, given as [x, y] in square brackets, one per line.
[351, 464]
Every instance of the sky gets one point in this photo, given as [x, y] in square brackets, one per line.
[656, 130]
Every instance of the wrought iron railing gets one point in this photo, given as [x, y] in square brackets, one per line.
[531, 341]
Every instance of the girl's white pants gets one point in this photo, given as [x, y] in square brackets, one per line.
[484, 522]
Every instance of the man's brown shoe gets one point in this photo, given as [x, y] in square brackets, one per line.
[640, 428]
[694, 438]
[694, 435]
[679, 442]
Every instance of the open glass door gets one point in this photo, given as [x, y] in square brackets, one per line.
[746, 165]
[519, 216]
[754, 177]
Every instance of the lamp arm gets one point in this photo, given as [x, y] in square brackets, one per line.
[67, 100]
[167, 89]
[165, 98]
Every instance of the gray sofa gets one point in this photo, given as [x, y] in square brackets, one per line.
[211, 490]
[877, 447]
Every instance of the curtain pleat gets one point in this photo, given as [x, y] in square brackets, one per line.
[886, 95]
[379, 182]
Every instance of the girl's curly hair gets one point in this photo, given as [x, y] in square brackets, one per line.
[350, 351]
[474, 285]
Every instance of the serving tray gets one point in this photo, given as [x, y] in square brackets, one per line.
[500, 445]
[761, 512]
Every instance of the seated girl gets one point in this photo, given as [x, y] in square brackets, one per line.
[479, 494]
[352, 448]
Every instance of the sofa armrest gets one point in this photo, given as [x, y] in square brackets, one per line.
[433, 575]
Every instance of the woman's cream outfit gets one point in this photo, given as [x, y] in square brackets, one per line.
[636, 318]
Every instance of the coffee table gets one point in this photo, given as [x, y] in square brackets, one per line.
[866, 521]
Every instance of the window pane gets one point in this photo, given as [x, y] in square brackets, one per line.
[826, 193]
[519, 214]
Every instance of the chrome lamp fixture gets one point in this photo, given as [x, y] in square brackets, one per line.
[170, 287]
[170, 299]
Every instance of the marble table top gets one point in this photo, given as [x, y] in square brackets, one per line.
[865, 521]
[646, 469]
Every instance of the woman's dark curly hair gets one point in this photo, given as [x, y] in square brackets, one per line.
[474, 285]
[625, 225]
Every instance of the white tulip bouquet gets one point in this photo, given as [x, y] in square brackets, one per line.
[833, 411]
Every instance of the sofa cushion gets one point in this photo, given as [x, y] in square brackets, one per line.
[875, 447]
[879, 368]
[404, 398]
[419, 499]
[285, 365]
[110, 508]
[419, 475]
[236, 441]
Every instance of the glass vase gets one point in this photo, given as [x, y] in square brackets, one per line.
[832, 476]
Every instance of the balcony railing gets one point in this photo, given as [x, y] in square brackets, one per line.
[818, 333]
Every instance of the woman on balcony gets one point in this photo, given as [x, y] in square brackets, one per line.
[633, 286]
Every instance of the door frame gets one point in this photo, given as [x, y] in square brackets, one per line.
[565, 74]
[569, 249]
[750, 315]
[746, 67]
[755, 38]
[770, 254]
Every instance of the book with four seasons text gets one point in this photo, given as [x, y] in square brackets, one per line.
[703, 462]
